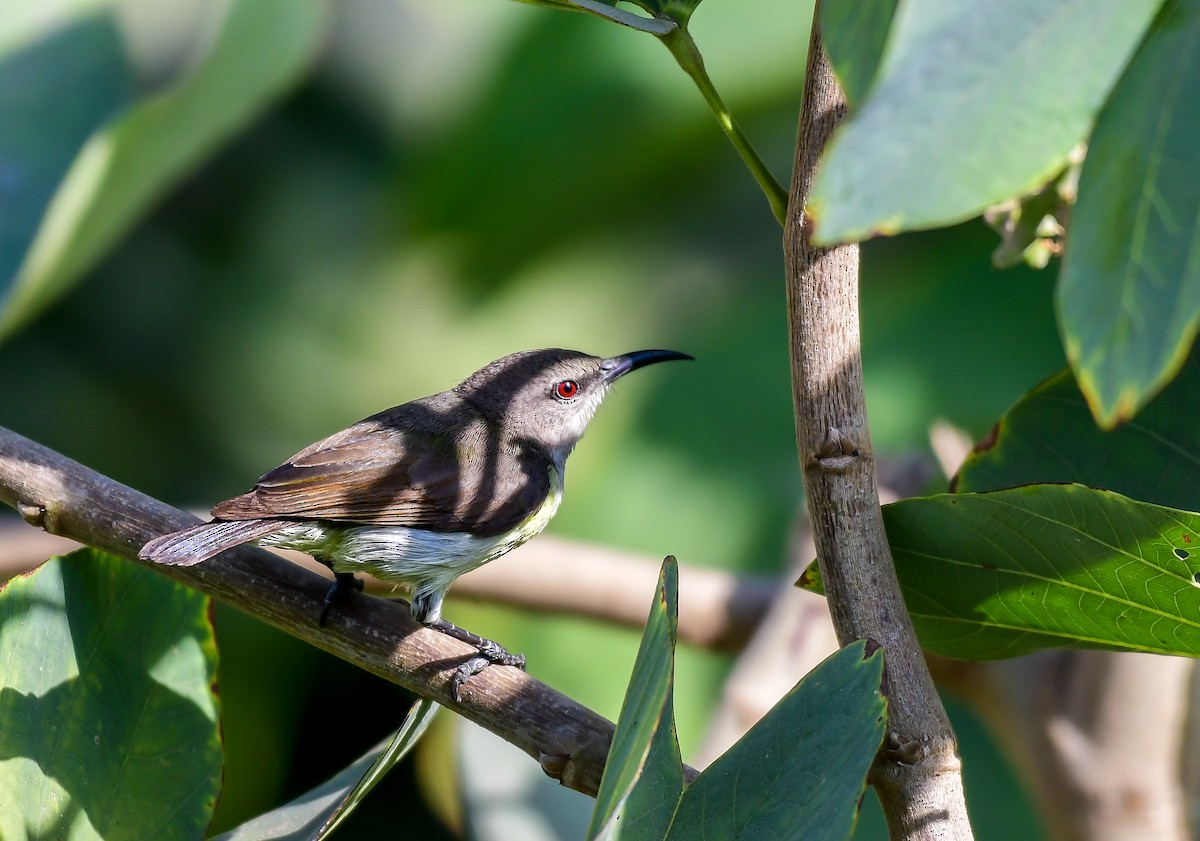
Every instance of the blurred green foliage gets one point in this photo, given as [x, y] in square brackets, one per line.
[456, 180]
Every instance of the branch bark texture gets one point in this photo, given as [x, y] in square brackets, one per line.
[65, 498]
[918, 775]
[719, 610]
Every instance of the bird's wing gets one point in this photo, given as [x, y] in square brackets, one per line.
[377, 474]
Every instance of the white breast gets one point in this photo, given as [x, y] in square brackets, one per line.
[423, 563]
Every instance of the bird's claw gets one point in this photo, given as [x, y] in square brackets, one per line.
[490, 654]
[342, 582]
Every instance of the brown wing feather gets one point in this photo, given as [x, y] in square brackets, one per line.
[432, 464]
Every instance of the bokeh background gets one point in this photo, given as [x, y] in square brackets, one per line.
[453, 181]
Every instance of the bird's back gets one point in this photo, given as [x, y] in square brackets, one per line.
[435, 464]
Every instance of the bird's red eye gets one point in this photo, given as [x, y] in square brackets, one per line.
[566, 390]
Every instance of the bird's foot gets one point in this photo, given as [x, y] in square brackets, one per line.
[490, 653]
[343, 582]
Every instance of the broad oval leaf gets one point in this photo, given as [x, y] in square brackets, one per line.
[108, 718]
[802, 769]
[973, 103]
[1004, 573]
[1050, 436]
[260, 50]
[643, 777]
[1129, 295]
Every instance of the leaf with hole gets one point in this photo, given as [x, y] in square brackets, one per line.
[1008, 572]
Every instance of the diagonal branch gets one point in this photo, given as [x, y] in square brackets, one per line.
[918, 780]
[719, 612]
[65, 498]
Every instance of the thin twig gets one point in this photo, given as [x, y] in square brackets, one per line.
[918, 775]
[687, 55]
[65, 498]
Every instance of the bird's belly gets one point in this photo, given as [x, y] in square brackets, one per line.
[413, 558]
[410, 557]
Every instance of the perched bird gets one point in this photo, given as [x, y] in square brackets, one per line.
[425, 491]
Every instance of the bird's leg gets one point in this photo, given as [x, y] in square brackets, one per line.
[490, 652]
[343, 582]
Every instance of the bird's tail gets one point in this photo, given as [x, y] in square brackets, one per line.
[199, 543]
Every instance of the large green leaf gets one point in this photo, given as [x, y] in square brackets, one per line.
[854, 33]
[318, 812]
[55, 90]
[1008, 572]
[108, 718]
[260, 50]
[1129, 296]
[643, 777]
[1050, 436]
[973, 103]
[804, 763]
[801, 770]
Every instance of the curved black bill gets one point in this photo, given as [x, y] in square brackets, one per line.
[619, 366]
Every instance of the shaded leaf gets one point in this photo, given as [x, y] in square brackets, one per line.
[610, 12]
[260, 50]
[108, 718]
[854, 33]
[1050, 436]
[972, 103]
[54, 92]
[676, 10]
[1009, 572]
[1129, 296]
[318, 812]
[801, 770]
[1031, 227]
[643, 776]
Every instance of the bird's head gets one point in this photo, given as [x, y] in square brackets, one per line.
[547, 397]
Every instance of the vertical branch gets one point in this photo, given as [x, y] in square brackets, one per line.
[918, 774]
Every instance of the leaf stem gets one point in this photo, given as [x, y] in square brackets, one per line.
[687, 55]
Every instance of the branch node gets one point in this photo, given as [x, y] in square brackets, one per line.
[553, 764]
[836, 453]
[908, 751]
[33, 514]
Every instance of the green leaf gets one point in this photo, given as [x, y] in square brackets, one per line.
[829, 726]
[108, 718]
[854, 33]
[972, 103]
[679, 11]
[801, 771]
[643, 777]
[608, 11]
[1050, 436]
[1009, 572]
[318, 812]
[260, 51]
[81, 69]
[1129, 296]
